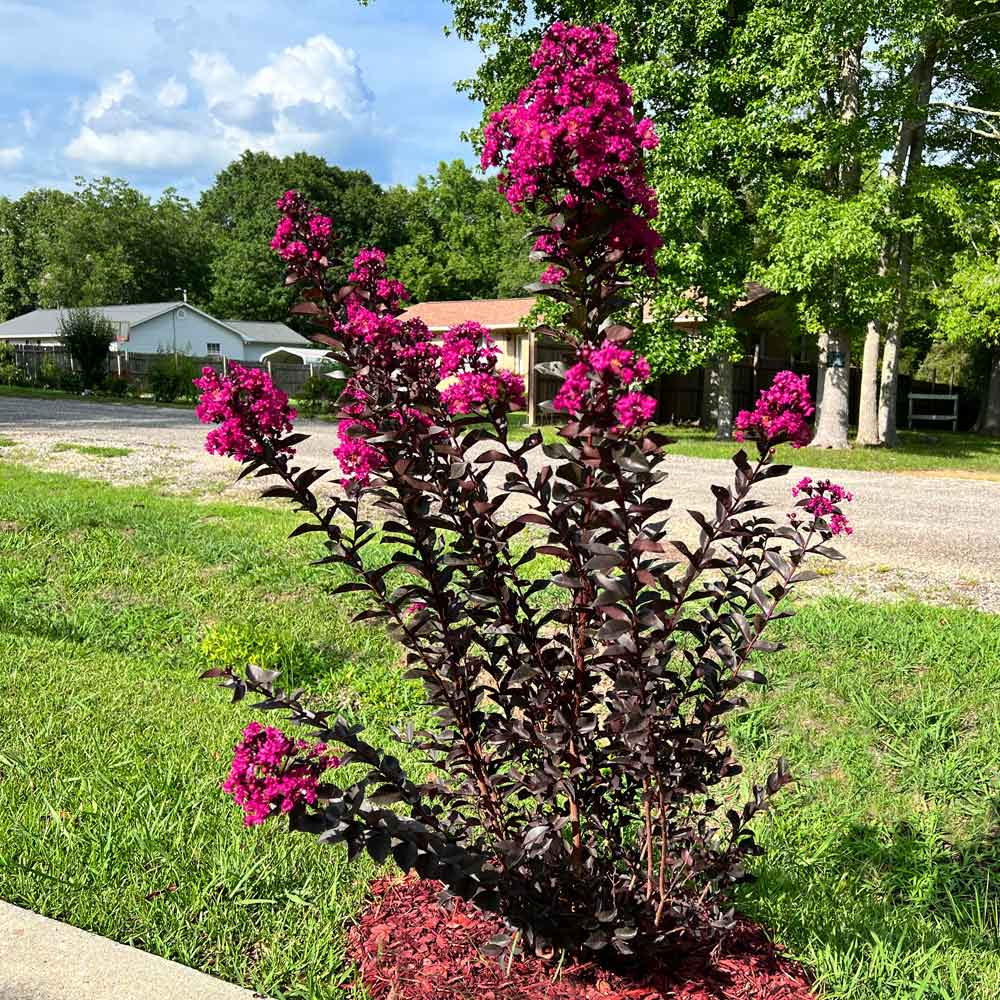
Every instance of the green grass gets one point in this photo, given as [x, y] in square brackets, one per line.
[882, 861]
[6, 442]
[918, 451]
[94, 450]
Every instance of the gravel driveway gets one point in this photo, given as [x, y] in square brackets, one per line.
[933, 538]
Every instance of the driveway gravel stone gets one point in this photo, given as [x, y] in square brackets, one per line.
[930, 538]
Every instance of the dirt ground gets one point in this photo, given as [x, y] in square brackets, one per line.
[930, 538]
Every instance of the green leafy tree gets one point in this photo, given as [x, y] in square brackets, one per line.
[113, 245]
[462, 240]
[793, 136]
[87, 335]
[968, 301]
[27, 228]
[247, 280]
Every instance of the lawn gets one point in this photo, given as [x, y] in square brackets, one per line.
[882, 861]
[918, 451]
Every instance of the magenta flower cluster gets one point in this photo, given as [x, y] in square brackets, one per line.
[271, 773]
[252, 413]
[370, 272]
[822, 500]
[302, 238]
[600, 385]
[571, 138]
[782, 413]
[469, 356]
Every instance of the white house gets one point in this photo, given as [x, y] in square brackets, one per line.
[165, 326]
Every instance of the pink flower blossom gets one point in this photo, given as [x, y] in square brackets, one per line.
[356, 457]
[634, 409]
[603, 378]
[252, 413]
[272, 773]
[302, 238]
[468, 347]
[822, 500]
[572, 138]
[782, 413]
[472, 390]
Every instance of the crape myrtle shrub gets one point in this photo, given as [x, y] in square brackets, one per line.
[582, 780]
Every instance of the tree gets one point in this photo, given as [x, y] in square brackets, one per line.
[247, 282]
[114, 245]
[968, 302]
[462, 240]
[27, 229]
[87, 335]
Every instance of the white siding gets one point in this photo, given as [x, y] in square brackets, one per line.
[187, 332]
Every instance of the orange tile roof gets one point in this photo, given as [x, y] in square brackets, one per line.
[494, 314]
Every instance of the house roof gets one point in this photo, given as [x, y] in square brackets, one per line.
[494, 314]
[45, 323]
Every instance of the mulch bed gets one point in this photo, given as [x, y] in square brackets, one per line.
[409, 947]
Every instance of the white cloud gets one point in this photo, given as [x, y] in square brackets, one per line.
[308, 96]
[109, 96]
[318, 72]
[10, 156]
[172, 94]
[28, 121]
[138, 147]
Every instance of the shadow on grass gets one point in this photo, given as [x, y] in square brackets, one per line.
[882, 899]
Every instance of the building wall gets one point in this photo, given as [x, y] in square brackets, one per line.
[187, 332]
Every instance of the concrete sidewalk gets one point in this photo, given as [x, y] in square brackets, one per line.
[42, 959]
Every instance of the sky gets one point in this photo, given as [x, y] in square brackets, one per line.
[166, 94]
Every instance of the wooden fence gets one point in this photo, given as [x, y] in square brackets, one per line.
[33, 359]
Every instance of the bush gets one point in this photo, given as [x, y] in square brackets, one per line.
[50, 375]
[10, 374]
[318, 395]
[87, 335]
[581, 779]
[116, 385]
[171, 377]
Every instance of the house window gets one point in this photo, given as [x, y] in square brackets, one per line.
[213, 349]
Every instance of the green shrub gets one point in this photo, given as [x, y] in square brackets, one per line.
[87, 335]
[116, 385]
[171, 377]
[10, 374]
[318, 395]
[50, 375]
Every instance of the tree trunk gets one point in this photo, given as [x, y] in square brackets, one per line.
[915, 128]
[717, 397]
[868, 411]
[833, 381]
[989, 419]
[889, 387]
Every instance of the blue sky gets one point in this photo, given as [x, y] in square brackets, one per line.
[165, 94]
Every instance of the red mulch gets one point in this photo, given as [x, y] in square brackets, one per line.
[410, 947]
